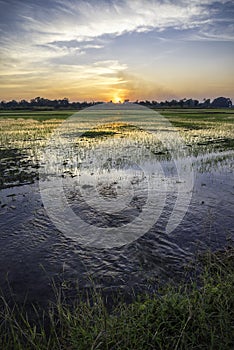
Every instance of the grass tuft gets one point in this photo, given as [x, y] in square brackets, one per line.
[190, 316]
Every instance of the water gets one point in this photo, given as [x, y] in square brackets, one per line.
[34, 250]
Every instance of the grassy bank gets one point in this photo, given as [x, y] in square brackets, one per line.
[189, 316]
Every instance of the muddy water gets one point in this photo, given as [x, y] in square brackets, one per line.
[34, 250]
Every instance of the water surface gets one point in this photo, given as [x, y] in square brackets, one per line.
[105, 170]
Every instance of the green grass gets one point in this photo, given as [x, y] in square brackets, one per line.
[109, 130]
[36, 115]
[185, 114]
[91, 134]
[198, 118]
[195, 315]
[199, 113]
[189, 316]
[211, 129]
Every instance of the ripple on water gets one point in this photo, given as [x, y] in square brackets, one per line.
[31, 246]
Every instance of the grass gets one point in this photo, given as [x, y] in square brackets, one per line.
[222, 114]
[190, 316]
[111, 129]
[195, 315]
[97, 133]
[209, 130]
[36, 115]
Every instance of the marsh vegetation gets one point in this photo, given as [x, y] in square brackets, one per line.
[169, 308]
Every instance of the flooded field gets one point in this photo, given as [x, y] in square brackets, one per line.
[116, 195]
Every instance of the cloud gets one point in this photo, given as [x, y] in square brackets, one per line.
[43, 30]
[58, 26]
[69, 40]
[84, 20]
[136, 87]
[75, 81]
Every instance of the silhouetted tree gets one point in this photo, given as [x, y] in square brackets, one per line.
[40, 102]
[222, 102]
[206, 102]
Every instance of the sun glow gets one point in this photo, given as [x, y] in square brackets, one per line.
[117, 99]
[118, 95]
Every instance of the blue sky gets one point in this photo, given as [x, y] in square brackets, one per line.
[102, 50]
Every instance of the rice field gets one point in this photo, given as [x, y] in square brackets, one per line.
[119, 201]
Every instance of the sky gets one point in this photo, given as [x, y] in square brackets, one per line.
[116, 49]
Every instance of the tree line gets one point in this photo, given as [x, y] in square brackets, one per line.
[219, 102]
[44, 103]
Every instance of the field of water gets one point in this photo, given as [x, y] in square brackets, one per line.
[116, 196]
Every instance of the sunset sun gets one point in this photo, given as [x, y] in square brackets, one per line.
[118, 96]
[117, 99]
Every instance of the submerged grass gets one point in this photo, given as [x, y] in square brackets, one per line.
[190, 316]
[209, 128]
